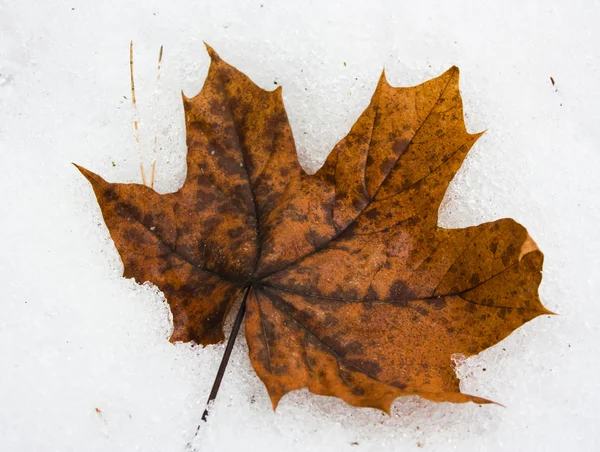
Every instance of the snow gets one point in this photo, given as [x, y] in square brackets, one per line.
[85, 360]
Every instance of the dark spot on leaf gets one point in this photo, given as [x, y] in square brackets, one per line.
[436, 303]
[235, 233]
[371, 214]
[399, 292]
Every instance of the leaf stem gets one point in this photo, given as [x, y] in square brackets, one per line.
[225, 360]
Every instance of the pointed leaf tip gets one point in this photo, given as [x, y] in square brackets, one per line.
[386, 407]
[275, 399]
[455, 71]
[83, 171]
[211, 52]
[92, 178]
[452, 72]
[383, 79]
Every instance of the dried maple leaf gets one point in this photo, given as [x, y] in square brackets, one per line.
[351, 288]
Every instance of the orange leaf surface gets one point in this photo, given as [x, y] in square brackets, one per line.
[354, 290]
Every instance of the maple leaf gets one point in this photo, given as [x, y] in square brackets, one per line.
[351, 288]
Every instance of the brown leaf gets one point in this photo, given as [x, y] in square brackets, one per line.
[355, 291]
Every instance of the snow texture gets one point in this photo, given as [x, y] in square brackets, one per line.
[85, 360]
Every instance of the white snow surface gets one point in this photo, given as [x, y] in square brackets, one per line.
[85, 361]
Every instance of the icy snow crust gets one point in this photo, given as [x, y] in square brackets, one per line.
[85, 360]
